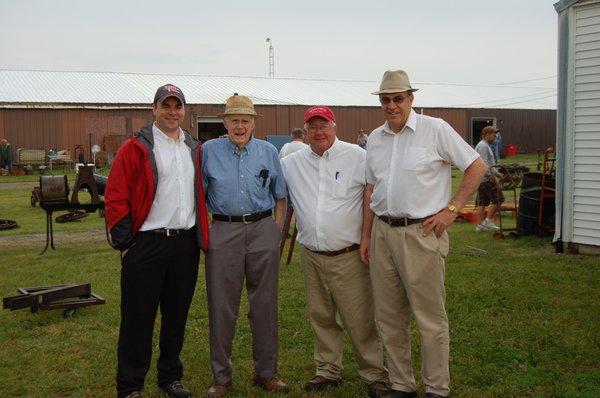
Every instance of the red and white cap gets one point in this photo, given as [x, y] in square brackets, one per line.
[321, 111]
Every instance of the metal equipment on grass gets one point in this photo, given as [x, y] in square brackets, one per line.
[7, 224]
[54, 196]
[509, 177]
[66, 297]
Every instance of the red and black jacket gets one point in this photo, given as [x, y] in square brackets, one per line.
[131, 187]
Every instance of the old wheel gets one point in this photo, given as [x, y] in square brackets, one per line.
[72, 216]
[8, 224]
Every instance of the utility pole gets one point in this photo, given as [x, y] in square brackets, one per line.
[271, 58]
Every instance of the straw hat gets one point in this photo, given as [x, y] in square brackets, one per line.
[394, 81]
[238, 105]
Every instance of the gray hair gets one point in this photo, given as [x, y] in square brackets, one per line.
[297, 133]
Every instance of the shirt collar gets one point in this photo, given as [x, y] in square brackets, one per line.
[247, 148]
[162, 137]
[411, 123]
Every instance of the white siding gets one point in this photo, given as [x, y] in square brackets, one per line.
[586, 125]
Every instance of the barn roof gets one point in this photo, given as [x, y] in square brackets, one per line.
[25, 88]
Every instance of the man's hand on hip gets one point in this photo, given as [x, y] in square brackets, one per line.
[438, 222]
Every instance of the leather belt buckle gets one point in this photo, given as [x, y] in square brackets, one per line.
[244, 218]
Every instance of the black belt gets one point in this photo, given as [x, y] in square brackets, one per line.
[171, 232]
[338, 252]
[246, 218]
[402, 221]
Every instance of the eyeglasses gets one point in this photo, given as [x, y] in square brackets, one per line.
[313, 128]
[397, 99]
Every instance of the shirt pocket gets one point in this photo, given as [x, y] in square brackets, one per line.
[340, 184]
[414, 158]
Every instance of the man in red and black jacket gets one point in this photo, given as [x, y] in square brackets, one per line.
[155, 209]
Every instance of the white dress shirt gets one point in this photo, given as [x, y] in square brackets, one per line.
[174, 204]
[291, 147]
[411, 170]
[326, 192]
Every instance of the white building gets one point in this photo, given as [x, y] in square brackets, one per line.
[578, 126]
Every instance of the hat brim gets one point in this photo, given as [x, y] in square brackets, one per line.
[239, 113]
[164, 97]
[394, 90]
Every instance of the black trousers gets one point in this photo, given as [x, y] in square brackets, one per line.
[157, 271]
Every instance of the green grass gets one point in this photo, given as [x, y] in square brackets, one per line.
[523, 321]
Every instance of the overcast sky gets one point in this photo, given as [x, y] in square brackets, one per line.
[460, 41]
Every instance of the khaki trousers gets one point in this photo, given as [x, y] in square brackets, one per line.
[407, 272]
[340, 285]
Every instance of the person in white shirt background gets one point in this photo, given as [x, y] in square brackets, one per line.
[296, 144]
[326, 183]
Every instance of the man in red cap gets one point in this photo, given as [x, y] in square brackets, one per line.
[156, 213]
[326, 183]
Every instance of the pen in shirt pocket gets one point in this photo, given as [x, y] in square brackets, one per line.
[337, 175]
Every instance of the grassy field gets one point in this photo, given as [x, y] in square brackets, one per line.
[524, 321]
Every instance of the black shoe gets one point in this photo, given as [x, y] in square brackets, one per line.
[434, 395]
[378, 389]
[320, 383]
[401, 394]
[134, 394]
[176, 390]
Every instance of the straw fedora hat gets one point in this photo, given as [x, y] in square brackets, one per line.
[239, 105]
[394, 81]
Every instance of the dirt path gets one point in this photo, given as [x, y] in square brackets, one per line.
[19, 185]
[60, 239]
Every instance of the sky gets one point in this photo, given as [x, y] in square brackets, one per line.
[435, 41]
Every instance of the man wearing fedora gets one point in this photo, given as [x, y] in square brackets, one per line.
[156, 213]
[243, 182]
[407, 208]
[326, 184]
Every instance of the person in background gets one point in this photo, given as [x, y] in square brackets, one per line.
[296, 144]
[489, 192]
[408, 205]
[362, 139]
[243, 182]
[326, 184]
[497, 146]
[5, 155]
[156, 213]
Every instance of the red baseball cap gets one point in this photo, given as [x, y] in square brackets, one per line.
[319, 110]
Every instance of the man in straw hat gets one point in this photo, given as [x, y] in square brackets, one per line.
[408, 189]
[244, 182]
[156, 214]
[326, 183]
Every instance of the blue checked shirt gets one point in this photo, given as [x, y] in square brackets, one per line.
[232, 178]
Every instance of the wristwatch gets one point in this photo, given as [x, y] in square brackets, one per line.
[452, 208]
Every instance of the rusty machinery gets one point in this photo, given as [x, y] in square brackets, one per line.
[53, 195]
[65, 297]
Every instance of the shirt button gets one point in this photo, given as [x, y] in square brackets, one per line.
[242, 191]
[242, 175]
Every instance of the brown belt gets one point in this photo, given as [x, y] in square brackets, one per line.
[401, 222]
[338, 252]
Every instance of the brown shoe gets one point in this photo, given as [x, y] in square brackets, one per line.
[271, 385]
[320, 383]
[218, 390]
[378, 389]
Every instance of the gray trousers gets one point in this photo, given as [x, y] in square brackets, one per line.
[239, 252]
